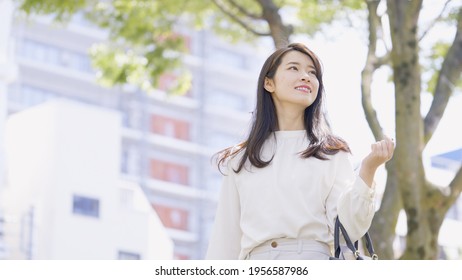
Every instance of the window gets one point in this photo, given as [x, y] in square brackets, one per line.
[49, 54]
[85, 206]
[27, 95]
[179, 256]
[170, 127]
[226, 99]
[171, 172]
[167, 81]
[123, 255]
[187, 40]
[170, 81]
[172, 217]
[130, 160]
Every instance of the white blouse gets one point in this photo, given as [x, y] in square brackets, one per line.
[292, 197]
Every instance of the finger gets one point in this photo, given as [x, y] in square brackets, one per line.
[384, 148]
[390, 146]
[380, 150]
[388, 139]
[375, 148]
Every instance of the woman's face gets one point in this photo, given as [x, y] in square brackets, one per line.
[295, 81]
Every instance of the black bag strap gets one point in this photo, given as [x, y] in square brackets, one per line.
[352, 246]
[337, 238]
[370, 247]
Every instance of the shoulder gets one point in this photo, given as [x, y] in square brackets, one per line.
[340, 157]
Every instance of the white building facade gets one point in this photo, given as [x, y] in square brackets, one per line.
[65, 195]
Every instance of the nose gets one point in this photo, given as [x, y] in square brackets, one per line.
[305, 77]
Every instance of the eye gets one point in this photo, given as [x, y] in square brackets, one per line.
[293, 68]
[313, 72]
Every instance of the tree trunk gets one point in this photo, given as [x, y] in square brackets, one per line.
[279, 31]
[420, 239]
[383, 228]
[425, 205]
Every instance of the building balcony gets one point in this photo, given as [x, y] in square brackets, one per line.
[183, 236]
[46, 69]
[168, 143]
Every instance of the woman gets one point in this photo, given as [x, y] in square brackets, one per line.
[286, 183]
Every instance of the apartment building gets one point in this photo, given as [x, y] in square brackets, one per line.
[166, 141]
[65, 198]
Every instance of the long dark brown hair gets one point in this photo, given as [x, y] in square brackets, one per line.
[264, 121]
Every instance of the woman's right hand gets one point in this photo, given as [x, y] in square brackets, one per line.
[381, 152]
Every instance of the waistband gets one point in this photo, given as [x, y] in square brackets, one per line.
[292, 244]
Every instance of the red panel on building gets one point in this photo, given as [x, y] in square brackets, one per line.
[171, 172]
[181, 257]
[172, 217]
[170, 127]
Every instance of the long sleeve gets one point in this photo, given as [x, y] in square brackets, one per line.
[225, 239]
[351, 199]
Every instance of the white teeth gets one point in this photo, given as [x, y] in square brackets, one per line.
[303, 89]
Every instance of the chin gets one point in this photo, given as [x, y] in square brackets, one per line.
[308, 103]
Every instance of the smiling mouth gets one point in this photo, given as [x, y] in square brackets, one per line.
[304, 89]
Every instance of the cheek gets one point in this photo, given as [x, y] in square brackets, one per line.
[279, 82]
[316, 83]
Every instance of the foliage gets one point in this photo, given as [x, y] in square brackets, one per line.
[143, 37]
[434, 62]
[316, 15]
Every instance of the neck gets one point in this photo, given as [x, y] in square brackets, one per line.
[290, 120]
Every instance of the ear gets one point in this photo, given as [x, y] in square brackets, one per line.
[269, 85]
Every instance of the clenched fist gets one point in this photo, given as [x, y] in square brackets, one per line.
[381, 152]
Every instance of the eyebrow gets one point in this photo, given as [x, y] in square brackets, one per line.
[297, 63]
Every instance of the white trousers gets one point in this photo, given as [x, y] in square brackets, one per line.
[290, 249]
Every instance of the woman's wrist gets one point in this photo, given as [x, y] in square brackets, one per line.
[367, 173]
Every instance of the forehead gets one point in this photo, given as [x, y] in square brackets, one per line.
[297, 57]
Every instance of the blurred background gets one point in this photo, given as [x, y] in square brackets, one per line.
[111, 111]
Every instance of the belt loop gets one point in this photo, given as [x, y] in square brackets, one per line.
[300, 245]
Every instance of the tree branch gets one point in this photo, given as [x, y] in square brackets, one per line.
[239, 21]
[456, 186]
[383, 60]
[416, 7]
[279, 32]
[447, 78]
[366, 75]
[435, 20]
[246, 12]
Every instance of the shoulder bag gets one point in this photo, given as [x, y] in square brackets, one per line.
[350, 251]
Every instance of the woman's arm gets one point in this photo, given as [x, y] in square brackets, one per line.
[225, 239]
[381, 152]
